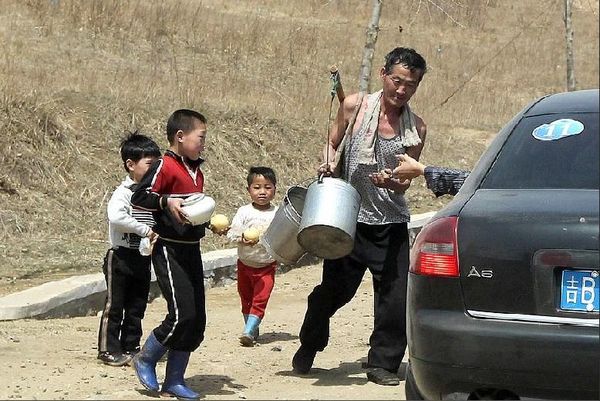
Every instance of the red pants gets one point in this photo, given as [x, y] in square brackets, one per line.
[255, 286]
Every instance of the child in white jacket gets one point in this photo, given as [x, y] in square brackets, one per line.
[126, 270]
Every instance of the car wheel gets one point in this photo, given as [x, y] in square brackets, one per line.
[410, 387]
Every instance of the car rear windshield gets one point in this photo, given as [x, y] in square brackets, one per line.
[549, 151]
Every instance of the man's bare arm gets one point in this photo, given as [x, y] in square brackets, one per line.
[337, 131]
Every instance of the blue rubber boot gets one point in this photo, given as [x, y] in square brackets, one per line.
[174, 384]
[246, 321]
[144, 362]
[248, 337]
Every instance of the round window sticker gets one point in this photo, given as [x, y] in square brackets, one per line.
[558, 129]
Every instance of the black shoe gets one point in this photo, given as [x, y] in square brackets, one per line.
[383, 377]
[132, 352]
[114, 359]
[303, 360]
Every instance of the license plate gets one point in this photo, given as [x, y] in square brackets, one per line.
[579, 290]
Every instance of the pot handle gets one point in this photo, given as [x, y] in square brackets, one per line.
[306, 183]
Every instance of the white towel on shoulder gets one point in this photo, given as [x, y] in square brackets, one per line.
[408, 129]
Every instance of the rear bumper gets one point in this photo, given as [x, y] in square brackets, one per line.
[453, 354]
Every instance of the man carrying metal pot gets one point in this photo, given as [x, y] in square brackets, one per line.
[372, 131]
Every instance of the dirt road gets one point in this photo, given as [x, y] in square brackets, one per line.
[56, 359]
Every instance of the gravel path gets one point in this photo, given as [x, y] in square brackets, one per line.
[56, 359]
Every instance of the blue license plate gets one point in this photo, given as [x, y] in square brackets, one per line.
[579, 290]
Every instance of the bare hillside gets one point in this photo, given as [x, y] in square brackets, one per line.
[77, 74]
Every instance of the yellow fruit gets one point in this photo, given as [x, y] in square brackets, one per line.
[251, 234]
[219, 222]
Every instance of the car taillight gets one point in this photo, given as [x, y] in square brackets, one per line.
[435, 252]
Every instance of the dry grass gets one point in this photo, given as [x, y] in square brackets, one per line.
[77, 74]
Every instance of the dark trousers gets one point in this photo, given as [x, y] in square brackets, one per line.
[384, 251]
[180, 276]
[127, 275]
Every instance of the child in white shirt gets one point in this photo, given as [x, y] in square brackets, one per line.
[255, 267]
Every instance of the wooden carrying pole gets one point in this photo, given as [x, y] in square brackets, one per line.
[335, 77]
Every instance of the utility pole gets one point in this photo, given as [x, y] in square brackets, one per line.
[569, 42]
[369, 51]
[363, 81]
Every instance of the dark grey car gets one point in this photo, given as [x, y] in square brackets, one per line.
[503, 288]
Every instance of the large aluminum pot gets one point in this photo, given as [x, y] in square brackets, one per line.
[329, 218]
[280, 238]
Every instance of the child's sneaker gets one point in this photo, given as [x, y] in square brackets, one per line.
[247, 340]
[116, 359]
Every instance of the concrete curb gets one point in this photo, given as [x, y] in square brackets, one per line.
[84, 295]
[78, 295]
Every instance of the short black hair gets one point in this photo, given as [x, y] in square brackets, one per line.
[184, 120]
[406, 57]
[136, 146]
[266, 172]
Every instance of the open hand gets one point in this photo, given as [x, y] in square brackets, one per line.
[384, 179]
[408, 168]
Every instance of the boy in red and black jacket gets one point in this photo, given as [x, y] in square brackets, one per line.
[176, 254]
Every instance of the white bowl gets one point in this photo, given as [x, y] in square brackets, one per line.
[198, 208]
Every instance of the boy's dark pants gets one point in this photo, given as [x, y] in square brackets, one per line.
[180, 276]
[384, 250]
[127, 275]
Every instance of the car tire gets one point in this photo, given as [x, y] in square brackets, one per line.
[410, 387]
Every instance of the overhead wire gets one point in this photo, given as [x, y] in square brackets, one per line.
[544, 14]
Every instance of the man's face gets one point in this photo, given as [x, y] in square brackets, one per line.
[399, 85]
